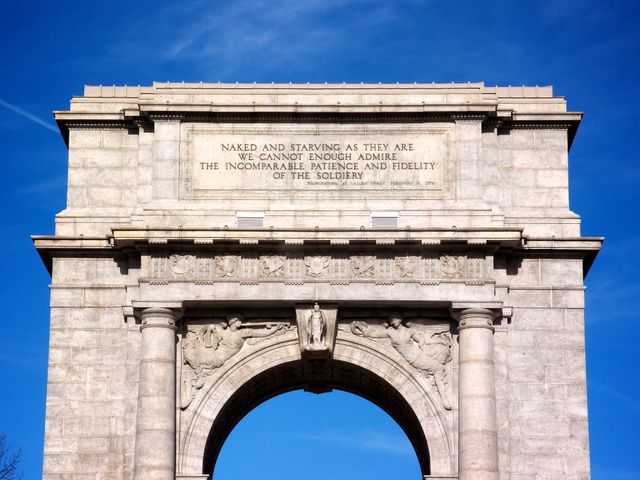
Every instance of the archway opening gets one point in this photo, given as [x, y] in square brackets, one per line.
[316, 377]
[301, 435]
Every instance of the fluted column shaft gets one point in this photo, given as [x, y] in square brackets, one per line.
[477, 431]
[156, 421]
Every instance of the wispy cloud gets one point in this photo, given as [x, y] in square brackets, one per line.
[612, 299]
[44, 186]
[282, 27]
[370, 441]
[27, 115]
[251, 34]
[621, 397]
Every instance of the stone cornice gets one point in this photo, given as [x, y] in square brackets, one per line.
[479, 236]
[487, 240]
[505, 107]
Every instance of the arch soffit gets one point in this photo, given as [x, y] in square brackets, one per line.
[364, 353]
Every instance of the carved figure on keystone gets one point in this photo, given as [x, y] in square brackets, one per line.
[429, 355]
[316, 327]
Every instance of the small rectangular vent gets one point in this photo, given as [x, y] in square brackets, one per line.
[250, 219]
[384, 219]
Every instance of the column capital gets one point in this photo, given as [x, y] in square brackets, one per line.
[157, 317]
[474, 317]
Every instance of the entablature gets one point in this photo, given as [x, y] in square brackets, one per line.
[356, 244]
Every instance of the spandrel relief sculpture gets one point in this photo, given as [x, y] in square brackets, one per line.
[429, 352]
[207, 347]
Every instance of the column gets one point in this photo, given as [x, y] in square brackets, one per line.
[156, 421]
[477, 431]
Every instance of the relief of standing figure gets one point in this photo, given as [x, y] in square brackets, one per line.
[428, 355]
[316, 328]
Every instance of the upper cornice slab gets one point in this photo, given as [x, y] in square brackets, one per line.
[484, 239]
[126, 103]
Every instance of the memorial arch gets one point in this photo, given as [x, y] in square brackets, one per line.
[411, 244]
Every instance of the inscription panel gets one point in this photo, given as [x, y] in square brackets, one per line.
[310, 159]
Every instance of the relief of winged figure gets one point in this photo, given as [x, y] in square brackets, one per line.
[207, 347]
[429, 355]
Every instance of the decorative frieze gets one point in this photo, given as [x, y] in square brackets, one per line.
[317, 266]
[430, 267]
[272, 266]
[226, 266]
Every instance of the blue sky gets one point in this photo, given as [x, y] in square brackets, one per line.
[587, 49]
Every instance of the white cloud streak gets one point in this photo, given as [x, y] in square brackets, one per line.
[370, 441]
[45, 186]
[622, 398]
[226, 37]
[27, 115]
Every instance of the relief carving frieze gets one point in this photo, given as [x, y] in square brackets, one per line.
[272, 265]
[317, 266]
[227, 266]
[427, 350]
[429, 267]
[452, 266]
[406, 266]
[182, 266]
[206, 347]
[363, 266]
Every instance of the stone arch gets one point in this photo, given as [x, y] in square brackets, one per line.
[360, 366]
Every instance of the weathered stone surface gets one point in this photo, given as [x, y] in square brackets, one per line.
[463, 315]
